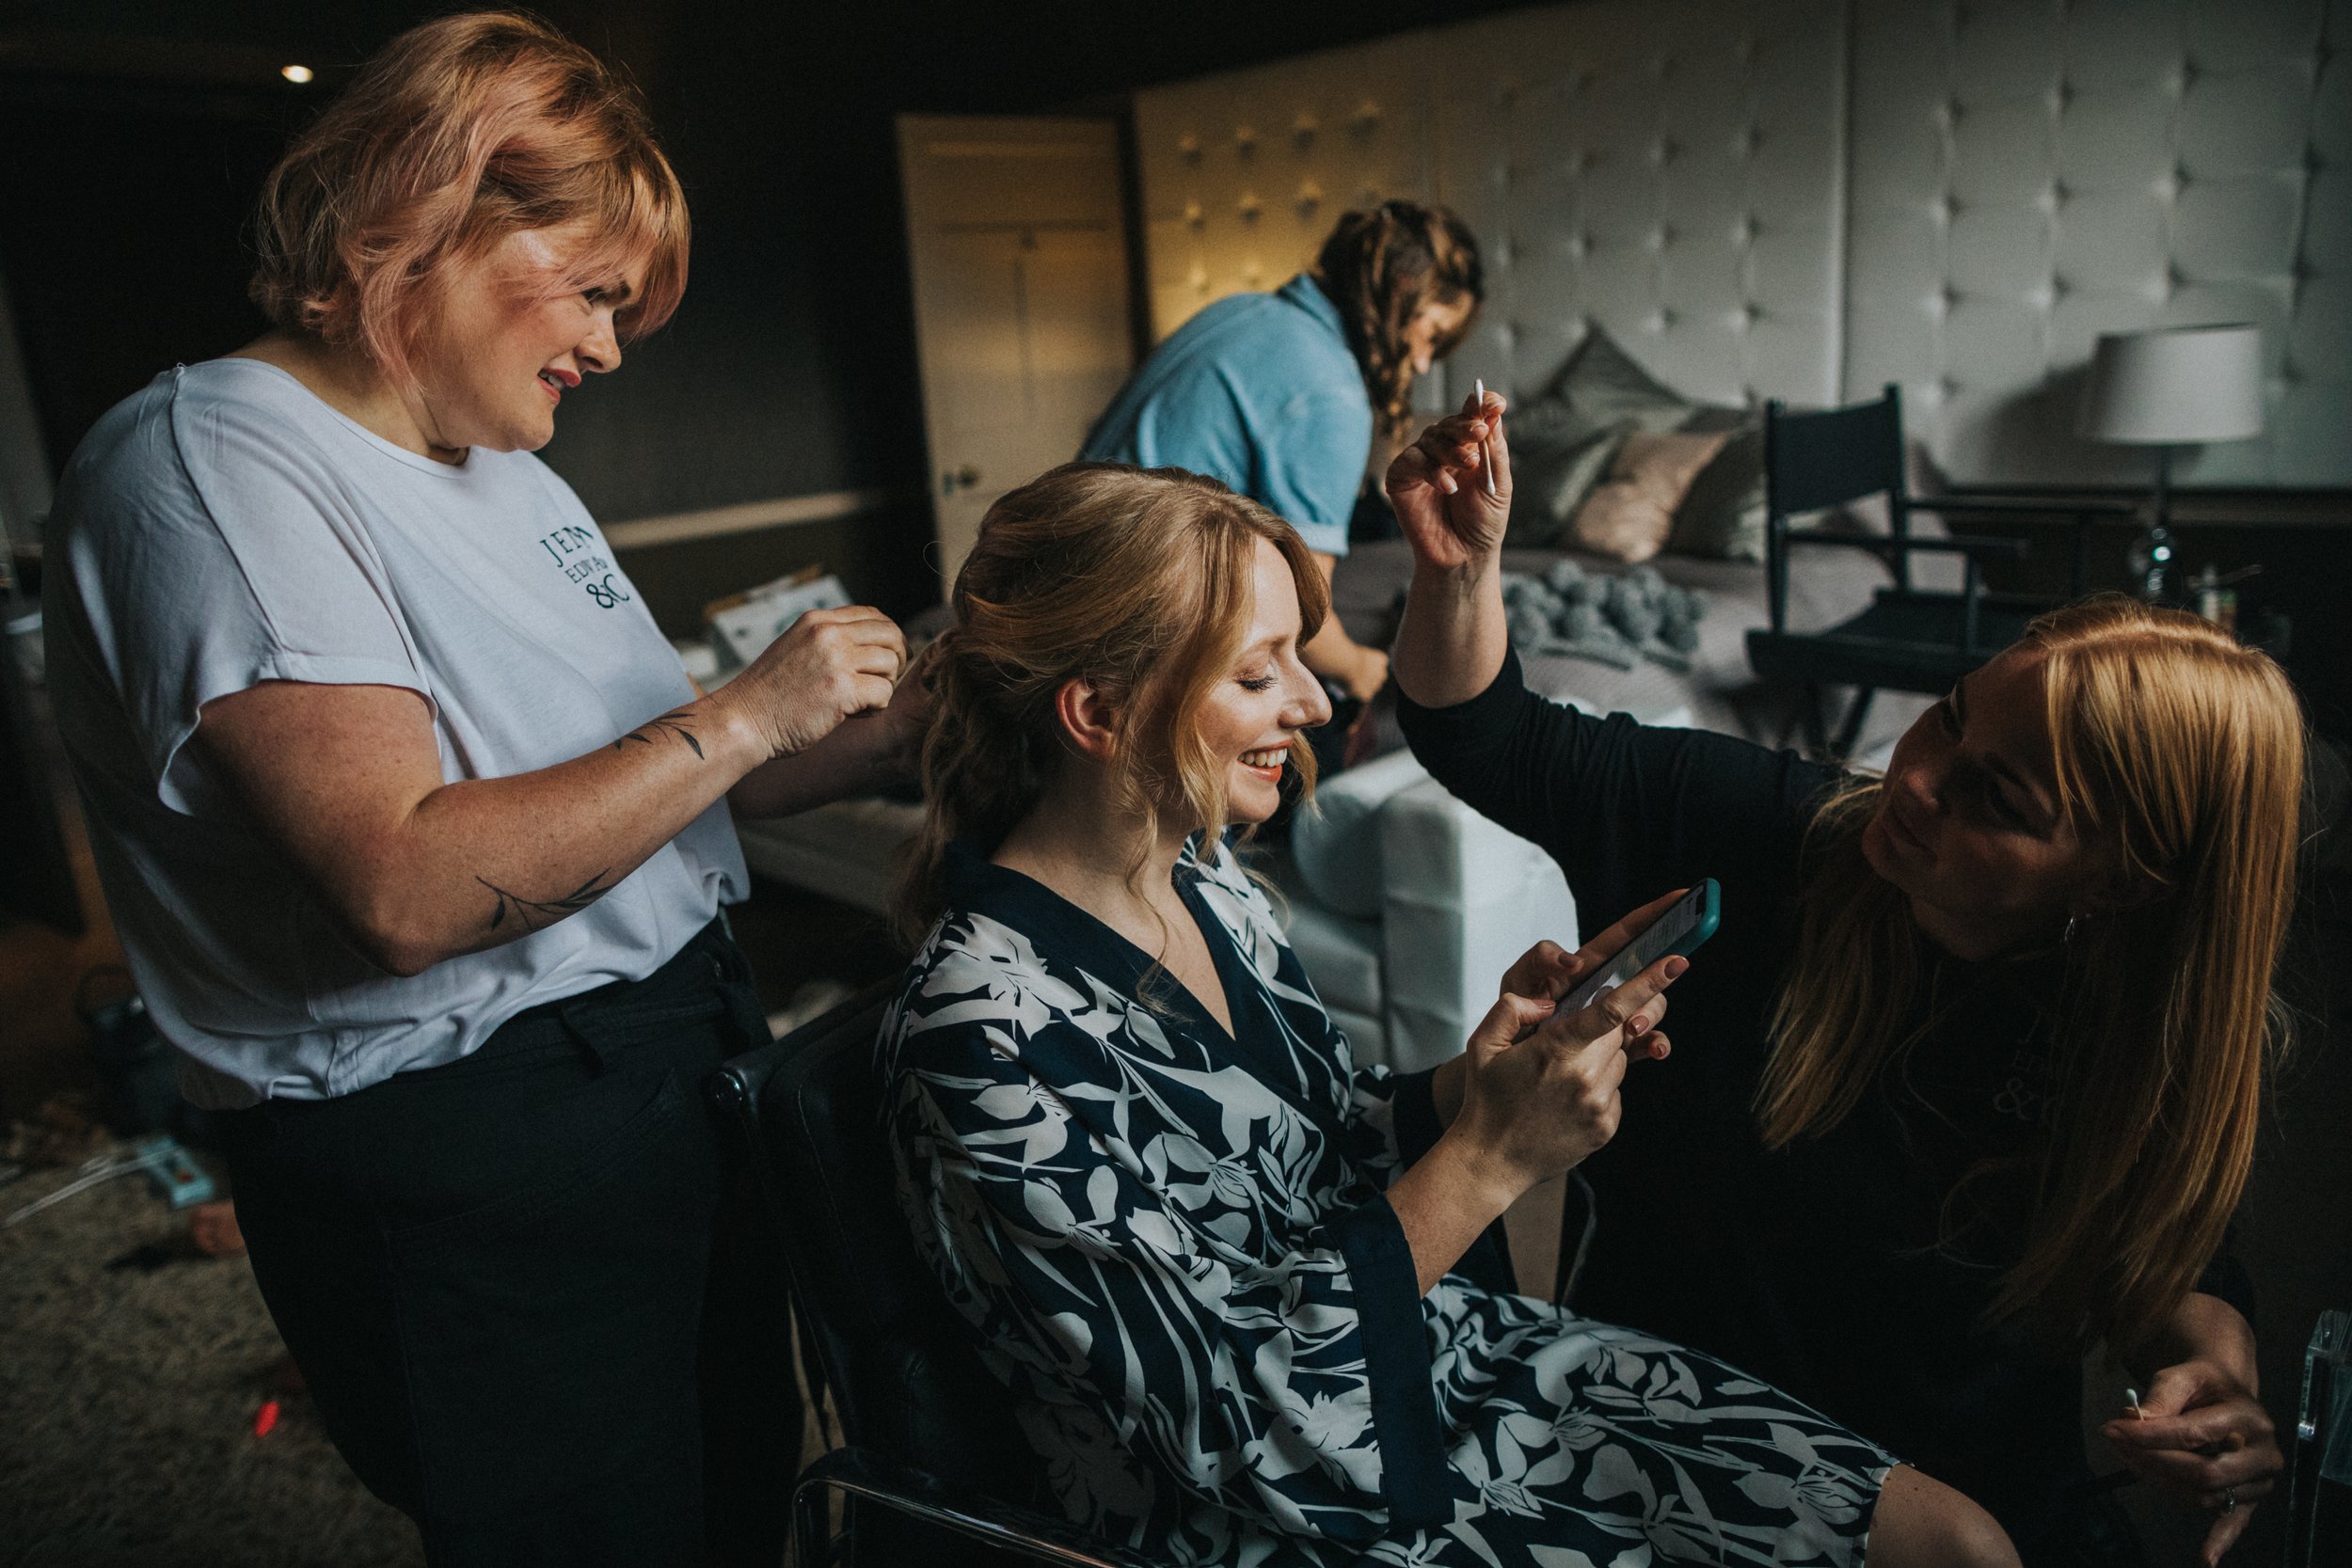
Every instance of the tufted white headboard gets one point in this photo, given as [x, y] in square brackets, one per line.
[1807, 198]
[2027, 175]
[1668, 172]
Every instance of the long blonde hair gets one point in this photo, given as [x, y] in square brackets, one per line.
[1136, 579]
[2181, 752]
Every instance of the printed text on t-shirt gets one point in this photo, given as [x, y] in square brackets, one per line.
[570, 548]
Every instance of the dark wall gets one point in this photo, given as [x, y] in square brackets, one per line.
[138, 135]
[792, 367]
[122, 244]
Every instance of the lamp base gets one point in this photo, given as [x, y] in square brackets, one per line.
[2151, 559]
[2151, 555]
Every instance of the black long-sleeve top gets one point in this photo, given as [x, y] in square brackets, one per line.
[1832, 1267]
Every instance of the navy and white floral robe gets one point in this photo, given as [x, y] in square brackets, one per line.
[1173, 1247]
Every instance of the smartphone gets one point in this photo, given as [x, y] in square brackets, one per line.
[1680, 929]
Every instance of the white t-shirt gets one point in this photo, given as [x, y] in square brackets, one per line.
[224, 527]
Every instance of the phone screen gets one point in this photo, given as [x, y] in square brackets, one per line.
[1680, 929]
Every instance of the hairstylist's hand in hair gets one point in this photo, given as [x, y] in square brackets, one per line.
[908, 713]
[1439, 487]
[833, 663]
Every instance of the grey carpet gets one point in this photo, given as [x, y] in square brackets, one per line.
[127, 1402]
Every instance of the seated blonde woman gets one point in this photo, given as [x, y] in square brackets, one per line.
[1236, 1286]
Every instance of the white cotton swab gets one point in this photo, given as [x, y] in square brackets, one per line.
[2131, 1396]
[1485, 451]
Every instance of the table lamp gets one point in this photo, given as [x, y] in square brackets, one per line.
[2168, 387]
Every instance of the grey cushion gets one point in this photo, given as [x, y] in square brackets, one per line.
[1551, 476]
[1563, 441]
[1722, 516]
[1605, 385]
[1603, 393]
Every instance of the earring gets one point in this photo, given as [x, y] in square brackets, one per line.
[2073, 921]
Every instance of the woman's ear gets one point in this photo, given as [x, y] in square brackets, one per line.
[1088, 719]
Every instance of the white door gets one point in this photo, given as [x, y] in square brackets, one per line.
[1019, 254]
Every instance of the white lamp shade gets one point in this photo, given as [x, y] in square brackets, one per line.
[2177, 384]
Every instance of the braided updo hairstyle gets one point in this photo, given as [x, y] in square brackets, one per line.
[1139, 581]
[1380, 267]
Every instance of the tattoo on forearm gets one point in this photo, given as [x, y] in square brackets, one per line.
[536, 912]
[677, 723]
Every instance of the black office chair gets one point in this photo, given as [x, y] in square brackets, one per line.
[935, 1472]
[1910, 639]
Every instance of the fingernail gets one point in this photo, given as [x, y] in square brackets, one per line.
[1639, 1026]
[1676, 966]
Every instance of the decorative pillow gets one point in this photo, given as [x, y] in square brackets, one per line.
[1723, 513]
[1628, 516]
[1551, 476]
[1605, 385]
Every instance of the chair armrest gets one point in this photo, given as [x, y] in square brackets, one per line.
[862, 1473]
[731, 1095]
[732, 1091]
[2037, 506]
[1977, 545]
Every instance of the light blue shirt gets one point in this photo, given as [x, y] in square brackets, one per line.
[225, 527]
[1260, 391]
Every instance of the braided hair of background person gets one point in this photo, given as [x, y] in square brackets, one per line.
[1380, 267]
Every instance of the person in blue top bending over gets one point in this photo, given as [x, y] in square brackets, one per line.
[1282, 395]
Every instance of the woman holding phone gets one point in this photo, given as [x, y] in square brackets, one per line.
[1970, 1078]
[1240, 1289]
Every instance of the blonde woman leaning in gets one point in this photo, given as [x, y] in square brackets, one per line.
[1982, 1039]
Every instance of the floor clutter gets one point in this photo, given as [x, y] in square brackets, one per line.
[150, 1415]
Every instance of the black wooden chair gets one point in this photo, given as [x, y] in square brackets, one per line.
[935, 1472]
[1910, 639]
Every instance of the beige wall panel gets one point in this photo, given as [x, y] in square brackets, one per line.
[1244, 174]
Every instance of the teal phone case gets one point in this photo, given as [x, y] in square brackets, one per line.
[1710, 916]
[1710, 899]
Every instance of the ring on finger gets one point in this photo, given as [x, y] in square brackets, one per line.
[2228, 1500]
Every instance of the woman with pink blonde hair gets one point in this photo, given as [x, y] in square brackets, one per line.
[416, 832]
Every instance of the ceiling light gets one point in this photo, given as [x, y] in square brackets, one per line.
[298, 74]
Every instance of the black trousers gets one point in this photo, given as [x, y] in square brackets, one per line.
[536, 1314]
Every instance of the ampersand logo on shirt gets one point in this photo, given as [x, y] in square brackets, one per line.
[572, 549]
